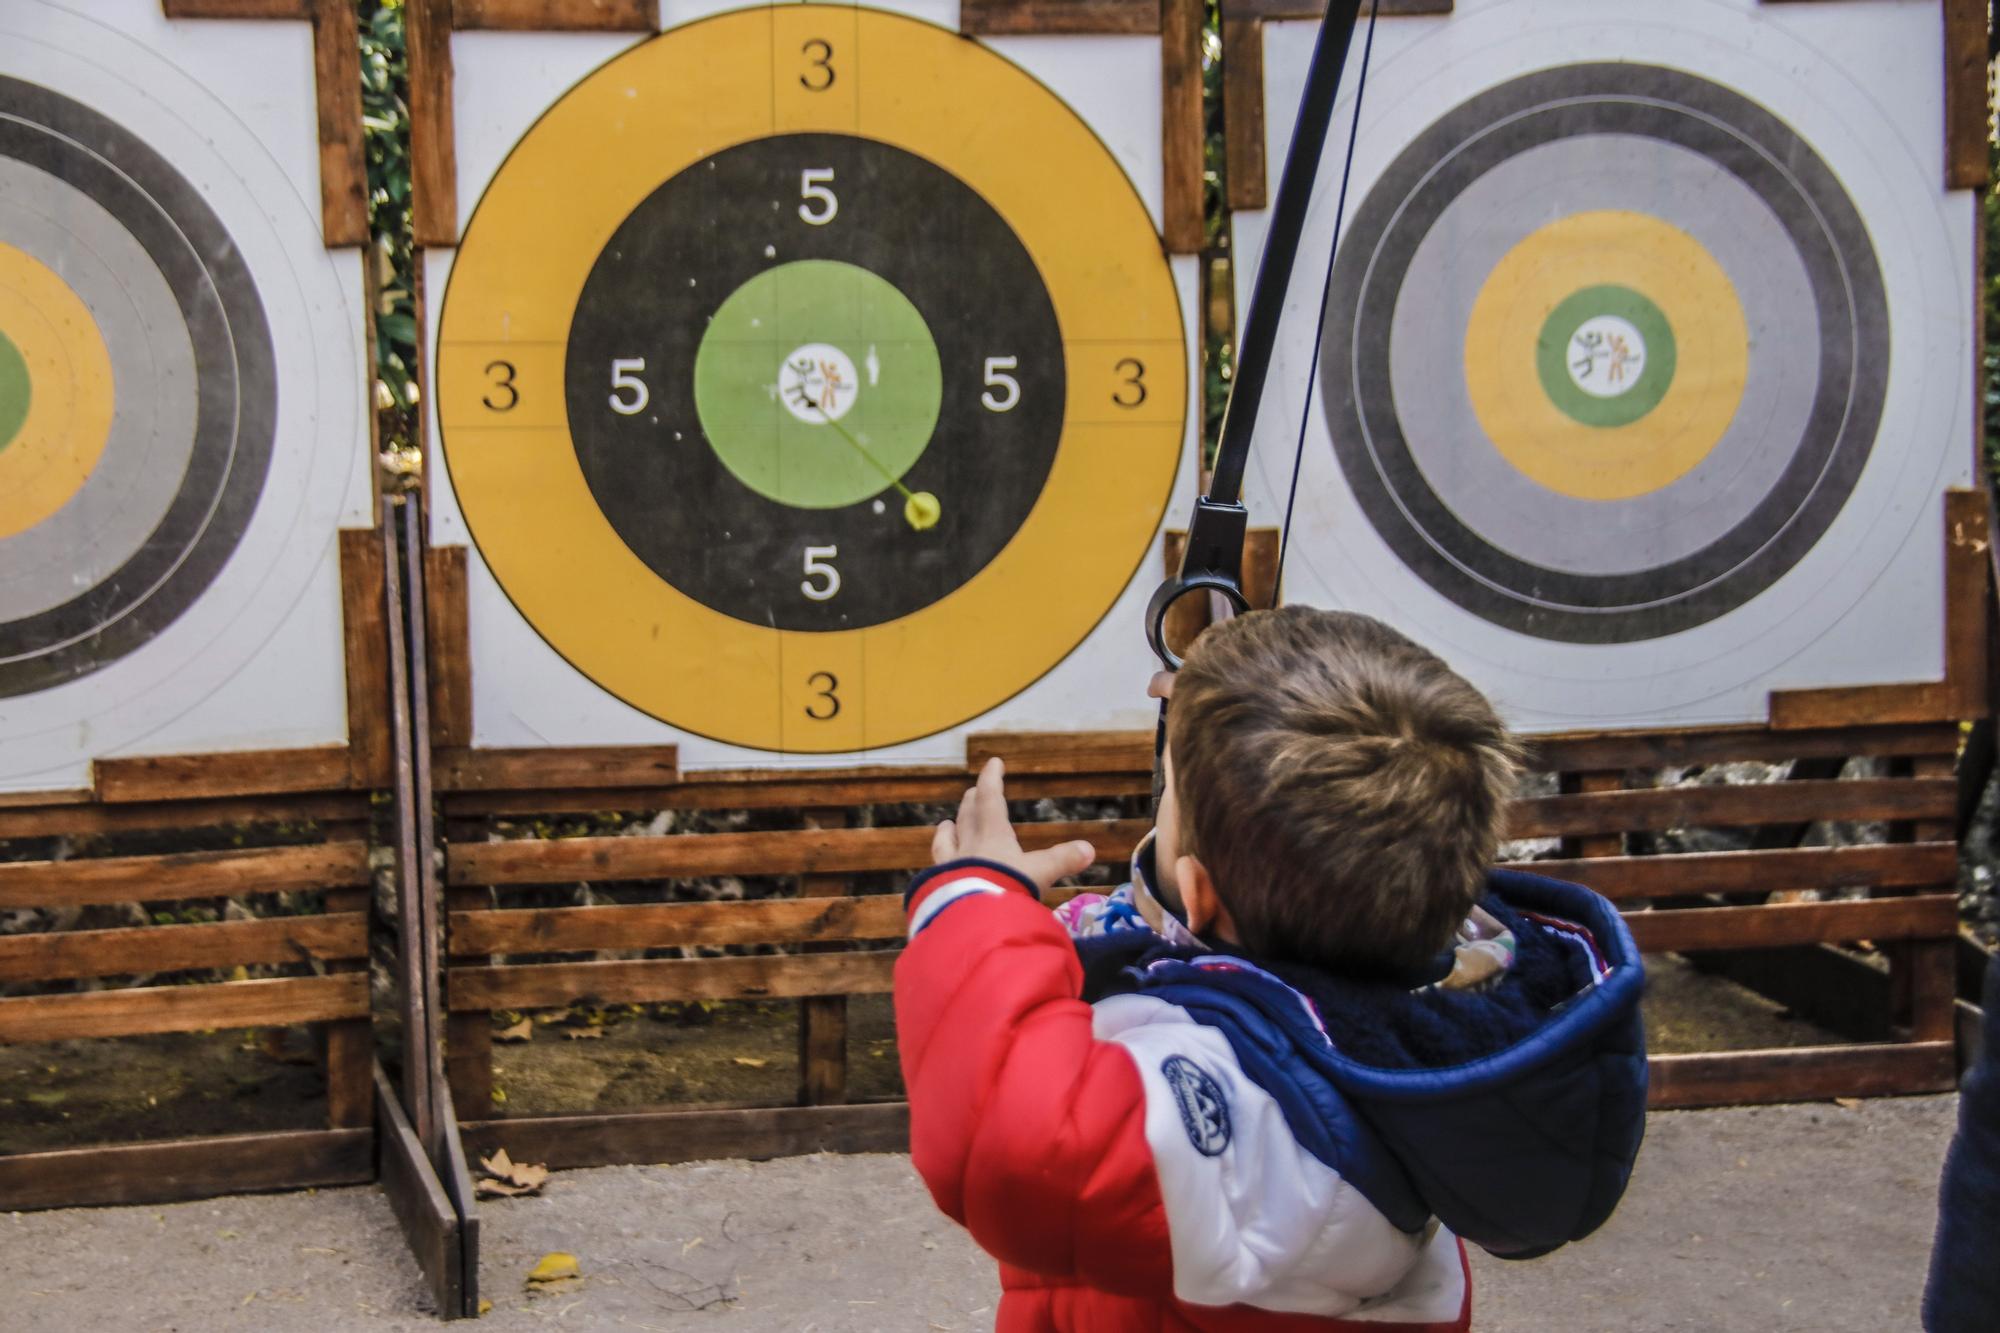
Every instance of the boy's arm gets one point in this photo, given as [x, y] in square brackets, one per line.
[1027, 1129]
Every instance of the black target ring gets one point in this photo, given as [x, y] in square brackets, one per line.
[727, 220]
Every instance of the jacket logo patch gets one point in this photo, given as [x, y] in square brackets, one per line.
[1204, 1112]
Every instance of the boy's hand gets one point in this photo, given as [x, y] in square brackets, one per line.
[982, 830]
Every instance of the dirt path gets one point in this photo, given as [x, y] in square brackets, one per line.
[1771, 1219]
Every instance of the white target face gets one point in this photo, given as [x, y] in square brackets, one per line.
[180, 401]
[1646, 358]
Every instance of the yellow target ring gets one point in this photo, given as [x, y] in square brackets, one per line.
[667, 106]
[68, 386]
[1666, 268]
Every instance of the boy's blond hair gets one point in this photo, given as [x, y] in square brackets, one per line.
[1343, 787]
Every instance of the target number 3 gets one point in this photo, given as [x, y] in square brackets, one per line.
[625, 381]
[819, 55]
[503, 383]
[1131, 390]
[820, 205]
[818, 568]
[828, 706]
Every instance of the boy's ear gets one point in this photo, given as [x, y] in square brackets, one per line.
[1206, 912]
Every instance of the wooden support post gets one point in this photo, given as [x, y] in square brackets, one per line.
[1925, 973]
[1182, 129]
[468, 1034]
[350, 1043]
[1597, 844]
[823, 1018]
[433, 148]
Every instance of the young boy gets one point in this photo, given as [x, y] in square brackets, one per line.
[1272, 1082]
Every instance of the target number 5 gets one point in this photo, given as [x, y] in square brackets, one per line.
[820, 205]
[818, 568]
[624, 379]
[998, 378]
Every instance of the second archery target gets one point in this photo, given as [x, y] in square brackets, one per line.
[811, 379]
[1645, 356]
[181, 393]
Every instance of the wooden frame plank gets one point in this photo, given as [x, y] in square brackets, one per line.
[1965, 110]
[1686, 747]
[1312, 9]
[1245, 174]
[66, 954]
[785, 852]
[875, 916]
[1731, 805]
[366, 636]
[572, 768]
[430, 1224]
[557, 15]
[343, 156]
[1182, 127]
[237, 9]
[1811, 1073]
[766, 977]
[50, 820]
[822, 1045]
[172, 1170]
[942, 785]
[237, 773]
[147, 1009]
[1775, 925]
[433, 147]
[622, 1138]
[1006, 18]
[449, 638]
[1905, 865]
[177, 875]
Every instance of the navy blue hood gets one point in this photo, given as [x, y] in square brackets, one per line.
[1512, 1113]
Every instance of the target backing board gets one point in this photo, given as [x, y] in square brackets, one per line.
[182, 392]
[1648, 350]
[811, 384]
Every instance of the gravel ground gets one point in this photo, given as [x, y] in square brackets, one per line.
[1776, 1218]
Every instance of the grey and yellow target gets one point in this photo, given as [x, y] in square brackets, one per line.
[1606, 352]
[137, 391]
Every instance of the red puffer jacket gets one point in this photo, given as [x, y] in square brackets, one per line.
[1117, 1159]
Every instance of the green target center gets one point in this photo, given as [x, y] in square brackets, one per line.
[1606, 356]
[14, 390]
[818, 384]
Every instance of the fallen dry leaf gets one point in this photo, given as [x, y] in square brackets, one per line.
[1847, 1103]
[584, 1034]
[554, 1267]
[521, 1031]
[751, 1062]
[509, 1178]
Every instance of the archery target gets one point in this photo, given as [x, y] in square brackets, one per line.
[677, 443]
[180, 392]
[1640, 368]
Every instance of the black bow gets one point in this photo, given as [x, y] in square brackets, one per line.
[1213, 559]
